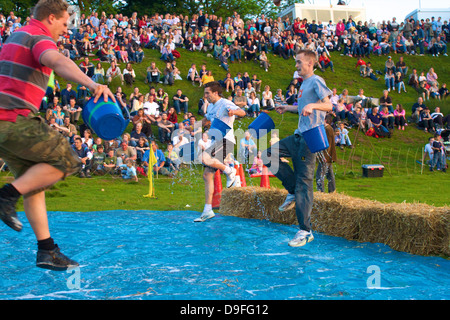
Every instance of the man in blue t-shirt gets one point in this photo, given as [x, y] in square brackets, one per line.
[313, 104]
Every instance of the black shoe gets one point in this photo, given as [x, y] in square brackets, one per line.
[54, 260]
[8, 213]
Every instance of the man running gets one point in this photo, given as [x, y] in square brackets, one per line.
[36, 154]
[212, 158]
[313, 103]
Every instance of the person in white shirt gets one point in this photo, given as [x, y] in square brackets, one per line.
[151, 107]
[212, 158]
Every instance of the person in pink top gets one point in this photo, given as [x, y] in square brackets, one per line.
[399, 114]
[432, 77]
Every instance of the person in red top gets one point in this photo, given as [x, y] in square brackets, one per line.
[325, 62]
[36, 154]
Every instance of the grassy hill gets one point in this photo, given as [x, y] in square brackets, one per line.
[403, 179]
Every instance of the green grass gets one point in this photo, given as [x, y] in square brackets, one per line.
[402, 181]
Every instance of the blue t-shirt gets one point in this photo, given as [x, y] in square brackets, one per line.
[159, 155]
[312, 90]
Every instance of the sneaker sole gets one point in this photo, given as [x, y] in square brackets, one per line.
[289, 207]
[204, 219]
[55, 268]
[301, 244]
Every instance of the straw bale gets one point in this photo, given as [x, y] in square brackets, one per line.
[415, 228]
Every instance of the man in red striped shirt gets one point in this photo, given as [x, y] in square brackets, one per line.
[37, 155]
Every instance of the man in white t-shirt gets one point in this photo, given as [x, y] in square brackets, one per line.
[212, 158]
[151, 107]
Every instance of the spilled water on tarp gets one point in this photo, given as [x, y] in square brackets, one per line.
[165, 255]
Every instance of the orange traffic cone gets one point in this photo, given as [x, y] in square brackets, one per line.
[238, 183]
[265, 183]
[217, 195]
[242, 176]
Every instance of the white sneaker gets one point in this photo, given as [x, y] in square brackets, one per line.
[205, 216]
[288, 204]
[301, 238]
[231, 178]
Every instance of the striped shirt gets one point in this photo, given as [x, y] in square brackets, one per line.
[23, 79]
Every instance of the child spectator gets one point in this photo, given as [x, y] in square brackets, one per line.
[344, 139]
[129, 171]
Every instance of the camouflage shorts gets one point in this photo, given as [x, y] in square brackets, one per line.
[30, 141]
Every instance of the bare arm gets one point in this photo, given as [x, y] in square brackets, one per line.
[67, 69]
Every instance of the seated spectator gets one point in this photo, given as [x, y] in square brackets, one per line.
[217, 49]
[258, 164]
[129, 171]
[129, 75]
[264, 61]
[172, 160]
[279, 98]
[417, 109]
[267, 101]
[434, 91]
[344, 139]
[98, 161]
[137, 134]
[207, 77]
[253, 105]
[180, 101]
[66, 94]
[249, 52]
[340, 111]
[228, 82]
[223, 58]
[400, 117]
[399, 84]
[165, 128]
[87, 67]
[141, 146]
[438, 118]
[145, 122]
[325, 62]
[249, 89]
[389, 79]
[386, 101]
[235, 52]
[256, 83]
[69, 130]
[443, 91]
[113, 72]
[387, 118]
[166, 53]
[291, 95]
[375, 122]
[73, 110]
[441, 46]
[247, 148]
[240, 100]
[169, 76]
[414, 79]
[180, 139]
[99, 74]
[153, 74]
[432, 77]
[426, 121]
[401, 67]
[151, 108]
[193, 75]
[85, 157]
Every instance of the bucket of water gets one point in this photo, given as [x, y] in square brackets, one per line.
[263, 124]
[105, 118]
[220, 126]
[316, 139]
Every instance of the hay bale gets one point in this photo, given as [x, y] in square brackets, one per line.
[415, 228]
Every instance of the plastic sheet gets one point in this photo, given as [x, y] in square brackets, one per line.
[165, 255]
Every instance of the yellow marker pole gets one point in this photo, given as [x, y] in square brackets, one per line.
[151, 162]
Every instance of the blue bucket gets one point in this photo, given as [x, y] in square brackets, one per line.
[105, 118]
[261, 123]
[316, 139]
[220, 126]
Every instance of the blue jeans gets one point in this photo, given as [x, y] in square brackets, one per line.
[390, 83]
[178, 105]
[139, 56]
[298, 181]
[253, 108]
[152, 78]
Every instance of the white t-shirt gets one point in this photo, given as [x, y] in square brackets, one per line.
[219, 110]
[151, 108]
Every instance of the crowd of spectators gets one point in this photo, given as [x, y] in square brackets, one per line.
[118, 40]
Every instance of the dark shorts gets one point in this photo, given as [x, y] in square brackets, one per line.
[30, 141]
[219, 150]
